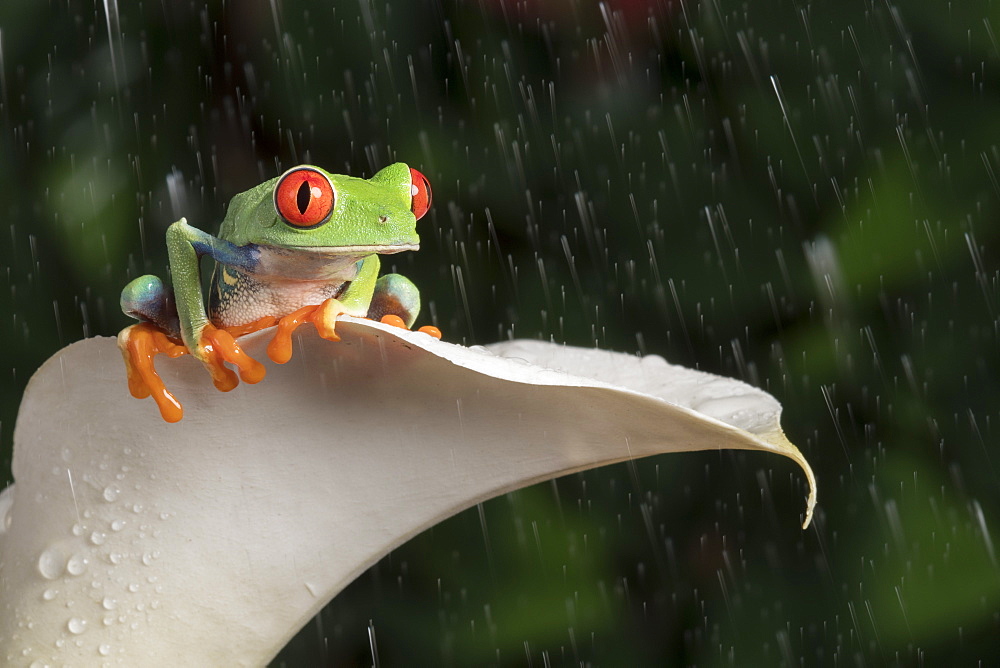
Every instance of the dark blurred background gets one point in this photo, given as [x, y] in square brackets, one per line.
[803, 195]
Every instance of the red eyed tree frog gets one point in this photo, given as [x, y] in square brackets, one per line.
[302, 247]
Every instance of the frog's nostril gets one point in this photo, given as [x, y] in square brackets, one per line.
[382, 219]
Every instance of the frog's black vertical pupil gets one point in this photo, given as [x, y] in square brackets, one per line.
[303, 196]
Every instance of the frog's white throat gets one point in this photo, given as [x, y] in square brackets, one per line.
[325, 264]
[355, 250]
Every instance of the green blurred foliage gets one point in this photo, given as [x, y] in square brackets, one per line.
[801, 195]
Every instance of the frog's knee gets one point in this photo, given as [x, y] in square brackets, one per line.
[147, 298]
[395, 295]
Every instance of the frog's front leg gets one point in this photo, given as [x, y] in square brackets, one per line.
[213, 346]
[180, 314]
[354, 300]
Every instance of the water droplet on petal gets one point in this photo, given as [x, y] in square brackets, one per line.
[111, 493]
[49, 594]
[6, 512]
[76, 625]
[109, 603]
[76, 565]
[104, 649]
[98, 537]
[51, 563]
[118, 525]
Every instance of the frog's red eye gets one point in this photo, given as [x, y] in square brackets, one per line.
[304, 197]
[420, 191]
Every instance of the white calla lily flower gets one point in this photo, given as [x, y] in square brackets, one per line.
[127, 541]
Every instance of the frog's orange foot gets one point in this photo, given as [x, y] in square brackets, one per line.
[139, 345]
[220, 347]
[323, 316]
[396, 321]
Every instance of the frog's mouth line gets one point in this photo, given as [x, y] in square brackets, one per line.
[358, 250]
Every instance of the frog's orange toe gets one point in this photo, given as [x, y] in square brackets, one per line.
[280, 347]
[394, 321]
[324, 318]
[431, 330]
[279, 350]
[170, 409]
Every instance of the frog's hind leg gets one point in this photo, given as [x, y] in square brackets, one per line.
[148, 299]
[395, 295]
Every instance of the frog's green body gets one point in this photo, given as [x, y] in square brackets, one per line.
[297, 240]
